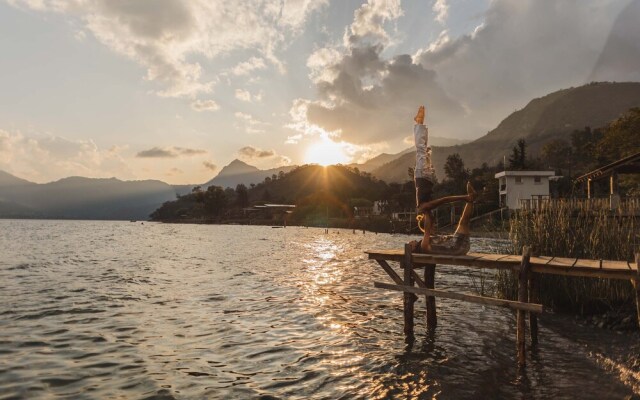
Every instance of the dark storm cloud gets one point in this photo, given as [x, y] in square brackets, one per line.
[369, 113]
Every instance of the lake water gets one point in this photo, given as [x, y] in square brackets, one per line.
[94, 309]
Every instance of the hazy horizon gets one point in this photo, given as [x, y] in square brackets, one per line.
[174, 90]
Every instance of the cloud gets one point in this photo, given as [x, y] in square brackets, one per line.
[169, 152]
[249, 123]
[166, 37]
[364, 98]
[205, 105]
[245, 95]
[369, 22]
[250, 152]
[521, 50]
[46, 157]
[246, 67]
[210, 166]
[441, 8]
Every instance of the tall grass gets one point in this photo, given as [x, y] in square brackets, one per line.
[564, 229]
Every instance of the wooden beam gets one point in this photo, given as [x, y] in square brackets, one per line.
[409, 298]
[636, 285]
[417, 279]
[392, 274]
[489, 301]
[430, 283]
[523, 275]
[533, 318]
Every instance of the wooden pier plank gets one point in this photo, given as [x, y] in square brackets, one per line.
[562, 262]
[392, 274]
[540, 264]
[516, 305]
[614, 265]
[588, 264]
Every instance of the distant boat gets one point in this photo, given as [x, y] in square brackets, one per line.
[277, 226]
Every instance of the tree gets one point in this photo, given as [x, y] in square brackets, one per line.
[242, 196]
[518, 159]
[455, 171]
[557, 154]
[215, 200]
[621, 138]
[266, 196]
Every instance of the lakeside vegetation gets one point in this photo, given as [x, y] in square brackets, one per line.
[575, 231]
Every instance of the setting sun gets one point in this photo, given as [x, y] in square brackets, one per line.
[325, 152]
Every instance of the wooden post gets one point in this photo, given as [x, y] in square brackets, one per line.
[409, 298]
[533, 318]
[636, 285]
[522, 297]
[430, 281]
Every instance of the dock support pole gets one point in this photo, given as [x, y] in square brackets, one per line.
[522, 297]
[636, 285]
[409, 298]
[533, 318]
[430, 281]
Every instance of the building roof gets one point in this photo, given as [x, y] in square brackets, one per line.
[524, 173]
[627, 165]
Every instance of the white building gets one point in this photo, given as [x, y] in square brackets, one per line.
[530, 186]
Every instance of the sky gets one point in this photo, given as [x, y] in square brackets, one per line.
[176, 89]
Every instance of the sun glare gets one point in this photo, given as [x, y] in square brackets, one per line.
[325, 152]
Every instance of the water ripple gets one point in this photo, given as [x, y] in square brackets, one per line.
[120, 310]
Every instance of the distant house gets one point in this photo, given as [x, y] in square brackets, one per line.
[380, 207]
[361, 212]
[519, 189]
[269, 210]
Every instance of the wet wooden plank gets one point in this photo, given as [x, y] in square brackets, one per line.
[540, 264]
[590, 264]
[615, 265]
[583, 272]
[494, 257]
[516, 305]
[466, 261]
[541, 260]
[389, 255]
[562, 262]
[392, 274]
[417, 279]
[511, 258]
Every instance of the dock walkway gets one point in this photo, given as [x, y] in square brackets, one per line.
[526, 267]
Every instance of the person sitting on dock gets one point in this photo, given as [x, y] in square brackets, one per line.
[458, 243]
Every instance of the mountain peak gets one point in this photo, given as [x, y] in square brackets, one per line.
[7, 179]
[237, 167]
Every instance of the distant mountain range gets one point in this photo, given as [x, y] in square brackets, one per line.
[554, 115]
[548, 117]
[81, 198]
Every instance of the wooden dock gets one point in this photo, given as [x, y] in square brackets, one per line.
[526, 266]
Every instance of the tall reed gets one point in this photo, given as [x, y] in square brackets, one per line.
[570, 229]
